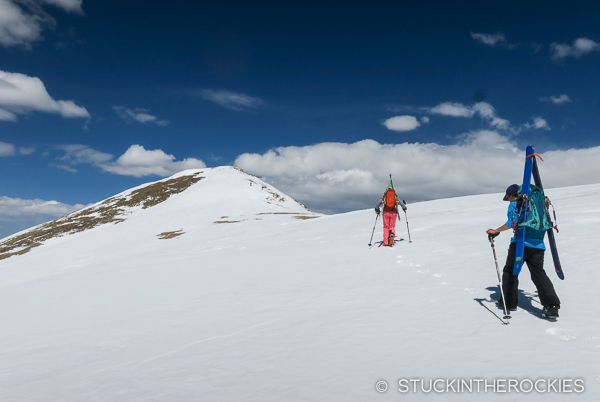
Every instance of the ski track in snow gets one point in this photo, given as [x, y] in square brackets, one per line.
[285, 309]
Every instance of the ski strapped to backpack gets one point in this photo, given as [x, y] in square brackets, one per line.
[533, 213]
[551, 240]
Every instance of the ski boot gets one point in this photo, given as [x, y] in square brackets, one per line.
[500, 305]
[550, 311]
[391, 238]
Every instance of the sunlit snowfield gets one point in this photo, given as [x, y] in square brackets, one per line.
[274, 303]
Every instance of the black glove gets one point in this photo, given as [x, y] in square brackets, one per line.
[491, 236]
[377, 210]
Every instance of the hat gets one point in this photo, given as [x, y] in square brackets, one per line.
[512, 189]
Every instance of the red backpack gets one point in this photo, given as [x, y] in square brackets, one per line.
[390, 198]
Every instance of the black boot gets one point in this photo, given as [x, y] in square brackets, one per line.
[501, 306]
[550, 311]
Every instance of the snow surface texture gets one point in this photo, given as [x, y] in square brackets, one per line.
[269, 307]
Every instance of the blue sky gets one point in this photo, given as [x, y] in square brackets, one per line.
[323, 99]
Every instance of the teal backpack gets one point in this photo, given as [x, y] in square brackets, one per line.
[538, 216]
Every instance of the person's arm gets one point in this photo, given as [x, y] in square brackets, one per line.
[510, 214]
[378, 207]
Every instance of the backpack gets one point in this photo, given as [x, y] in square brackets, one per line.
[390, 198]
[538, 216]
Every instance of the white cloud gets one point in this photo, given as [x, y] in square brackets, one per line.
[489, 39]
[425, 119]
[580, 47]
[557, 100]
[488, 112]
[18, 27]
[73, 6]
[136, 161]
[483, 109]
[7, 149]
[26, 151]
[138, 115]
[68, 168]
[231, 100]
[402, 123]
[22, 21]
[17, 208]
[339, 176]
[22, 94]
[537, 123]
[77, 153]
[452, 109]
[7, 116]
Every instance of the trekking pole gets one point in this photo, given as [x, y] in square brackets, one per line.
[491, 239]
[373, 230]
[406, 216]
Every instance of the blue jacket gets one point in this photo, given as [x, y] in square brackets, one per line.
[533, 238]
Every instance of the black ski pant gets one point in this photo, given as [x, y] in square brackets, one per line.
[534, 258]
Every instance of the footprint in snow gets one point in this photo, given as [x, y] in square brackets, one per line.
[559, 333]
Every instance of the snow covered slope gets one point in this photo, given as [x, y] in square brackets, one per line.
[170, 304]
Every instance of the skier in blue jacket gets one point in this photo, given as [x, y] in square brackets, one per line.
[533, 256]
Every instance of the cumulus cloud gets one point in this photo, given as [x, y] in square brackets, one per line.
[483, 109]
[22, 94]
[22, 21]
[26, 151]
[338, 176]
[138, 115]
[452, 109]
[17, 208]
[538, 122]
[77, 154]
[402, 123]
[73, 6]
[557, 100]
[17, 214]
[136, 161]
[580, 47]
[489, 39]
[230, 100]
[7, 149]
[488, 112]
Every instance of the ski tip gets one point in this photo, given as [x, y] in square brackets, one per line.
[561, 275]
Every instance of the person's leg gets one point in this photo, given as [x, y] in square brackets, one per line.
[510, 282]
[534, 258]
[386, 227]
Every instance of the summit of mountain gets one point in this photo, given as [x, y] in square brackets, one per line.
[193, 197]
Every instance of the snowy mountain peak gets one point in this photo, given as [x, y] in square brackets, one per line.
[216, 195]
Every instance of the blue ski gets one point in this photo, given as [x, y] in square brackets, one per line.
[524, 201]
[551, 240]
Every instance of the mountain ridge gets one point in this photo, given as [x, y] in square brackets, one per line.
[118, 208]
